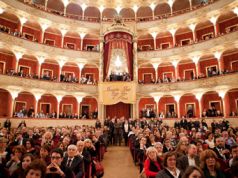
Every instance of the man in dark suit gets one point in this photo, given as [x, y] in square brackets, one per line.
[74, 161]
[87, 159]
[221, 149]
[191, 159]
[126, 130]
[56, 169]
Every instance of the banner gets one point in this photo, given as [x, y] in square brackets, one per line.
[114, 92]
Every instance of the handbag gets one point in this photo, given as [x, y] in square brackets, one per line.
[99, 168]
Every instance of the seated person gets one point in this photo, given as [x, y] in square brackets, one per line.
[56, 169]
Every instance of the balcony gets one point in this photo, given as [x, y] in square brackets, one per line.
[208, 84]
[25, 84]
[225, 41]
[10, 42]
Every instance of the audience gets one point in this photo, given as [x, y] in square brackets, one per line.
[74, 151]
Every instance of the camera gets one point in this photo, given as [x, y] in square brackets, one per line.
[53, 169]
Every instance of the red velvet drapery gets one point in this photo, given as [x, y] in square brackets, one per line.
[118, 40]
[120, 109]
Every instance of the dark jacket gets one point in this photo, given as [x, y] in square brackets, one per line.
[182, 162]
[77, 165]
[166, 174]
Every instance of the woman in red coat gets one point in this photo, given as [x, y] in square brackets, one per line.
[152, 163]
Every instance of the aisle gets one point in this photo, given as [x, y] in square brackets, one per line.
[118, 163]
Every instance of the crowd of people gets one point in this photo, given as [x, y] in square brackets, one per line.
[67, 152]
[119, 77]
[166, 79]
[30, 113]
[189, 147]
[46, 76]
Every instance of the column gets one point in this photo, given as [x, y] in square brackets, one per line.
[44, 26]
[82, 35]
[175, 64]
[22, 21]
[101, 8]
[156, 65]
[171, 2]
[199, 98]
[135, 8]
[79, 100]
[192, 27]
[157, 98]
[37, 97]
[84, 6]
[195, 60]
[135, 61]
[154, 34]
[235, 10]
[41, 60]
[136, 109]
[65, 11]
[152, 6]
[80, 65]
[63, 32]
[222, 94]
[46, 2]
[172, 31]
[218, 55]
[42, 36]
[213, 20]
[177, 99]
[191, 4]
[101, 113]
[61, 64]
[16, 66]
[59, 98]
[14, 94]
[101, 59]
[18, 55]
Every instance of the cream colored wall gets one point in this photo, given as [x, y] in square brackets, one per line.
[73, 122]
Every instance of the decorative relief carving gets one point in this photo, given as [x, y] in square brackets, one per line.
[182, 18]
[202, 47]
[27, 84]
[19, 7]
[9, 41]
[231, 81]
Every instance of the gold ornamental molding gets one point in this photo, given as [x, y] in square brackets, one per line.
[114, 92]
[9, 42]
[229, 81]
[29, 85]
[181, 20]
[16, 7]
[227, 41]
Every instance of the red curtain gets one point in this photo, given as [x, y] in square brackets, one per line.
[120, 109]
[118, 40]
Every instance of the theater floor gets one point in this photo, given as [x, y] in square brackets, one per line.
[118, 163]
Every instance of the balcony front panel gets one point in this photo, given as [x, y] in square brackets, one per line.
[181, 20]
[224, 42]
[208, 84]
[30, 84]
[10, 42]
[21, 8]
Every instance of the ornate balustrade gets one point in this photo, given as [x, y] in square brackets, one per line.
[30, 122]
[11, 42]
[228, 81]
[24, 84]
[182, 20]
[36, 14]
[226, 41]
